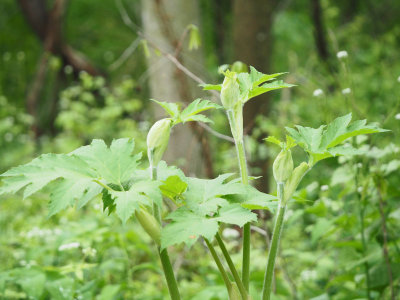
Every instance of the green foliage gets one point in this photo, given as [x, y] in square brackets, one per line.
[82, 174]
[323, 142]
[190, 113]
[252, 84]
[206, 203]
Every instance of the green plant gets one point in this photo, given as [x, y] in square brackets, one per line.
[200, 206]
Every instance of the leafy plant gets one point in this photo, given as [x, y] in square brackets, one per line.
[200, 207]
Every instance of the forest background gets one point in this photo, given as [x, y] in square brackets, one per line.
[71, 71]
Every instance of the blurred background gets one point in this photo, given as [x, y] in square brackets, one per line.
[72, 71]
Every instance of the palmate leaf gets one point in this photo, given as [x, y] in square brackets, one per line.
[208, 202]
[323, 142]
[85, 173]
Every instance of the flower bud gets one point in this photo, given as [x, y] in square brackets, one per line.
[294, 180]
[149, 224]
[230, 92]
[157, 140]
[239, 67]
[283, 166]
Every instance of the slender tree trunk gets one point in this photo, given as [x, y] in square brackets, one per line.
[47, 25]
[165, 22]
[252, 25]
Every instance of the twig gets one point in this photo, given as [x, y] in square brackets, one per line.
[125, 55]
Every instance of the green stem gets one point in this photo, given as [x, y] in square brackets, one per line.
[236, 125]
[169, 275]
[164, 257]
[219, 265]
[156, 209]
[269, 272]
[231, 266]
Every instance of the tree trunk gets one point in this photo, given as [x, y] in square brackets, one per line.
[164, 22]
[252, 25]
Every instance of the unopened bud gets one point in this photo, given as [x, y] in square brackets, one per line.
[157, 140]
[239, 67]
[149, 224]
[294, 180]
[283, 166]
[230, 92]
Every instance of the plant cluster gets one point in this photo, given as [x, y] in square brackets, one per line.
[173, 208]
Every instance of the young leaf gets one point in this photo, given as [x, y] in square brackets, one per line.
[191, 112]
[323, 142]
[173, 109]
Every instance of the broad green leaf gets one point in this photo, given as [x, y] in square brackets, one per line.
[273, 140]
[113, 164]
[251, 198]
[127, 202]
[44, 169]
[258, 78]
[204, 196]
[188, 226]
[323, 142]
[173, 109]
[83, 174]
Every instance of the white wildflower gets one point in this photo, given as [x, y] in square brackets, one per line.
[69, 246]
[346, 91]
[230, 233]
[318, 92]
[89, 251]
[360, 189]
[324, 187]
[308, 275]
[397, 116]
[398, 79]
[342, 54]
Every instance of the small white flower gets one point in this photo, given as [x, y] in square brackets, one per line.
[398, 79]
[324, 187]
[359, 165]
[308, 274]
[360, 189]
[346, 91]
[89, 251]
[397, 116]
[230, 233]
[69, 246]
[342, 54]
[318, 92]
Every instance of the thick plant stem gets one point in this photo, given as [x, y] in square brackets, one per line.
[164, 257]
[219, 265]
[169, 275]
[269, 272]
[231, 266]
[236, 125]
